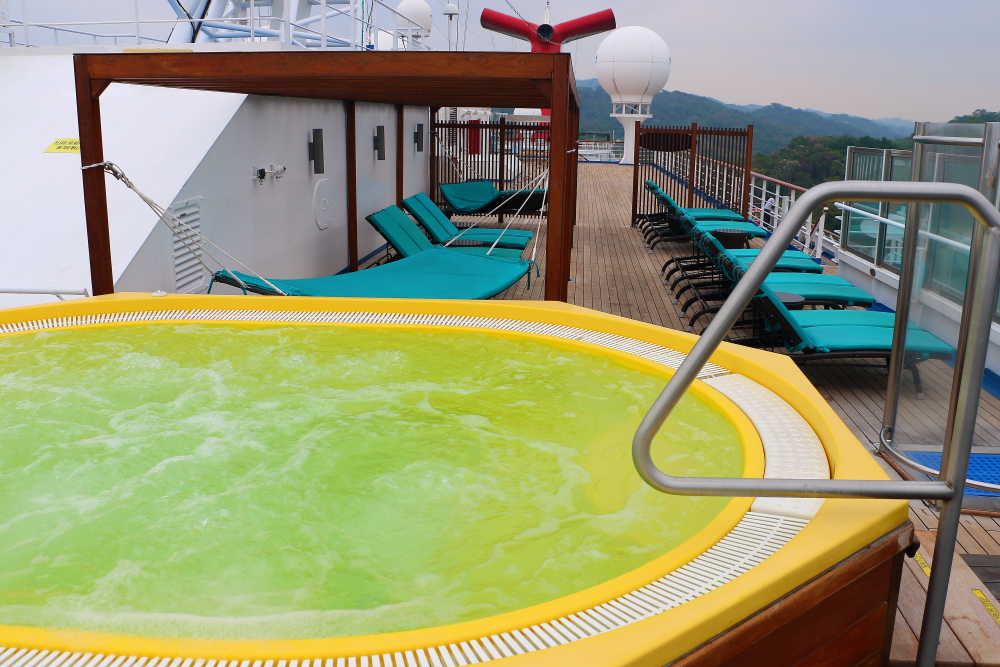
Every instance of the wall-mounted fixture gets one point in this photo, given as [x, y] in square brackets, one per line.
[261, 173]
[316, 152]
[418, 137]
[380, 142]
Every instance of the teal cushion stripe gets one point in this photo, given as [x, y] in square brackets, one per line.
[790, 264]
[847, 338]
[753, 252]
[713, 214]
[433, 274]
[470, 196]
[776, 279]
[844, 318]
[498, 252]
[848, 295]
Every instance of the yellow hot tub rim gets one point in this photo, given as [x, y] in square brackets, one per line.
[840, 528]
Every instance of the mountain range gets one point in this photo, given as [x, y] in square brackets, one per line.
[774, 124]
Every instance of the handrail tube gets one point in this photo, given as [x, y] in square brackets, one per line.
[981, 295]
[730, 312]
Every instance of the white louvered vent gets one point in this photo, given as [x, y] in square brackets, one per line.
[189, 273]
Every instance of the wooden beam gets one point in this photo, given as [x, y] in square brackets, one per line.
[559, 233]
[399, 155]
[433, 78]
[352, 184]
[95, 196]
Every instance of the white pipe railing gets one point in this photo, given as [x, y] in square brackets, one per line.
[958, 245]
[244, 22]
[58, 293]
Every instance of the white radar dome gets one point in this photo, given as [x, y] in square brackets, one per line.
[417, 11]
[633, 65]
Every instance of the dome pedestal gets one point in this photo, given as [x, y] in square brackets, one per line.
[630, 122]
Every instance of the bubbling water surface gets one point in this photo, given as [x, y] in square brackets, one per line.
[285, 482]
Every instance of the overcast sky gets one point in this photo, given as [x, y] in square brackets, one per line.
[917, 59]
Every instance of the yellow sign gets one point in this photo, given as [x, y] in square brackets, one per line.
[986, 603]
[64, 146]
[923, 564]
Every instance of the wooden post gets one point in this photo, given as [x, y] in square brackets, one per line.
[747, 166]
[635, 173]
[432, 138]
[352, 185]
[558, 229]
[400, 162]
[95, 196]
[502, 145]
[691, 161]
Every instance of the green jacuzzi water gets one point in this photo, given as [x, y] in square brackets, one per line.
[290, 482]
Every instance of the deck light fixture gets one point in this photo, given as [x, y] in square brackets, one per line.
[379, 142]
[316, 152]
[418, 137]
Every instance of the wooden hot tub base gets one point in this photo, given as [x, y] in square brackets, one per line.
[843, 617]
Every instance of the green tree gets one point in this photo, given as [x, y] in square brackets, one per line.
[978, 116]
[808, 161]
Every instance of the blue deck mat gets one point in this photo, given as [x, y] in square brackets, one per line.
[982, 468]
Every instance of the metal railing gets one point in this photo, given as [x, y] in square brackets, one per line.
[600, 151]
[970, 362]
[245, 21]
[695, 166]
[815, 237]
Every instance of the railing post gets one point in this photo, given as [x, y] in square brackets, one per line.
[502, 146]
[747, 167]
[137, 40]
[691, 164]
[635, 174]
[821, 233]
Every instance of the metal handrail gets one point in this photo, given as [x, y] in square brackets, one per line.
[981, 295]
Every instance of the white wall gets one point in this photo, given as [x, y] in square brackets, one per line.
[157, 135]
[416, 166]
[376, 178]
[270, 227]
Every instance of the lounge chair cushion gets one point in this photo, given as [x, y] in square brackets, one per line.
[443, 230]
[408, 240]
[432, 274]
[741, 226]
[482, 197]
[847, 295]
[847, 338]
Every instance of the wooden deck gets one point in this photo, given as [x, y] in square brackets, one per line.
[612, 271]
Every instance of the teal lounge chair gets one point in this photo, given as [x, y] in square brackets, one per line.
[442, 230]
[404, 235]
[833, 335]
[435, 273]
[482, 197]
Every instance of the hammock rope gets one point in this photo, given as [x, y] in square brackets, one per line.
[187, 235]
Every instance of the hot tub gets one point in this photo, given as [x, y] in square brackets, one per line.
[379, 482]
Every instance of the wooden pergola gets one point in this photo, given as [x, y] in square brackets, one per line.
[431, 79]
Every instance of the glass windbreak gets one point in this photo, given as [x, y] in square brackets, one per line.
[891, 252]
[936, 302]
[862, 231]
